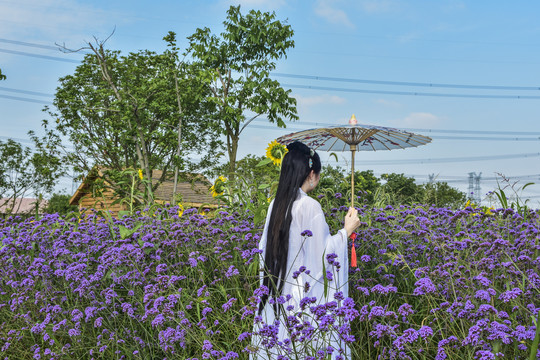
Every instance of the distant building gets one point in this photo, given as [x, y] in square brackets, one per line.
[195, 193]
[22, 206]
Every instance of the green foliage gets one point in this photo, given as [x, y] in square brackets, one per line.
[59, 203]
[401, 188]
[127, 111]
[253, 185]
[2, 76]
[236, 67]
[256, 180]
[253, 176]
[338, 180]
[512, 200]
[397, 189]
[23, 170]
[441, 194]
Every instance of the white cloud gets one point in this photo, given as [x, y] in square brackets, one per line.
[328, 11]
[59, 20]
[309, 101]
[419, 119]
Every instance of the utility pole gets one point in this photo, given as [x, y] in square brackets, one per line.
[474, 188]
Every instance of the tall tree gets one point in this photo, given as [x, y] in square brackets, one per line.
[123, 111]
[238, 65]
[24, 170]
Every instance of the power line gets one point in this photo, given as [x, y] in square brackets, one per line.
[492, 178]
[448, 160]
[450, 131]
[491, 132]
[25, 99]
[269, 127]
[482, 138]
[27, 92]
[412, 93]
[24, 43]
[436, 137]
[56, 58]
[406, 83]
[338, 79]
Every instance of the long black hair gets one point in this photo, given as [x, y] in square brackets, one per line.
[299, 161]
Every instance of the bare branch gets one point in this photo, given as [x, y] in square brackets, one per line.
[247, 123]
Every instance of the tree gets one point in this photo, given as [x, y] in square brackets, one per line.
[238, 66]
[23, 170]
[336, 180]
[2, 76]
[59, 203]
[441, 194]
[127, 112]
[402, 189]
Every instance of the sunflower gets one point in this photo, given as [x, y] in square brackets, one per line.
[219, 186]
[275, 152]
[180, 209]
[140, 174]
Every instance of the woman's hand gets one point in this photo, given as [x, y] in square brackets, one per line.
[351, 221]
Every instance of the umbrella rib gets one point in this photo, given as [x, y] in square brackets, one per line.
[412, 140]
[334, 143]
[382, 143]
[367, 134]
[407, 137]
[388, 139]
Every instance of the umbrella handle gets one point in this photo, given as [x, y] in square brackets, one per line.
[353, 149]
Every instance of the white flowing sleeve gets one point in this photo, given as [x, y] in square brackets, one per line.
[321, 244]
[262, 241]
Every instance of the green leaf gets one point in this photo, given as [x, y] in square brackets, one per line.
[125, 232]
[264, 162]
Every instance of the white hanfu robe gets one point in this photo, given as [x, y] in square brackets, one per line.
[310, 252]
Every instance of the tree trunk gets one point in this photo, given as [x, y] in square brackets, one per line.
[176, 170]
[146, 162]
[139, 147]
[233, 148]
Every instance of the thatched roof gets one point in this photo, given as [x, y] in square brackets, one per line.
[194, 188]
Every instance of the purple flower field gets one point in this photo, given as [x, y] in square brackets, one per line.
[431, 283]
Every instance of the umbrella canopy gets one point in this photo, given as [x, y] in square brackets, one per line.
[355, 137]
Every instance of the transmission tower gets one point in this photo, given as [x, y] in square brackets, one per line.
[471, 186]
[475, 190]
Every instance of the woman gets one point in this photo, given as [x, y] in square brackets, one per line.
[288, 249]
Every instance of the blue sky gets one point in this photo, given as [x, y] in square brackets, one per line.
[495, 43]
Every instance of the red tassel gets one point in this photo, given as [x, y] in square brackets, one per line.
[353, 251]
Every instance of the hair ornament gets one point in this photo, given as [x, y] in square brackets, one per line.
[311, 153]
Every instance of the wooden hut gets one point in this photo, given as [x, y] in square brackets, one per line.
[95, 193]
